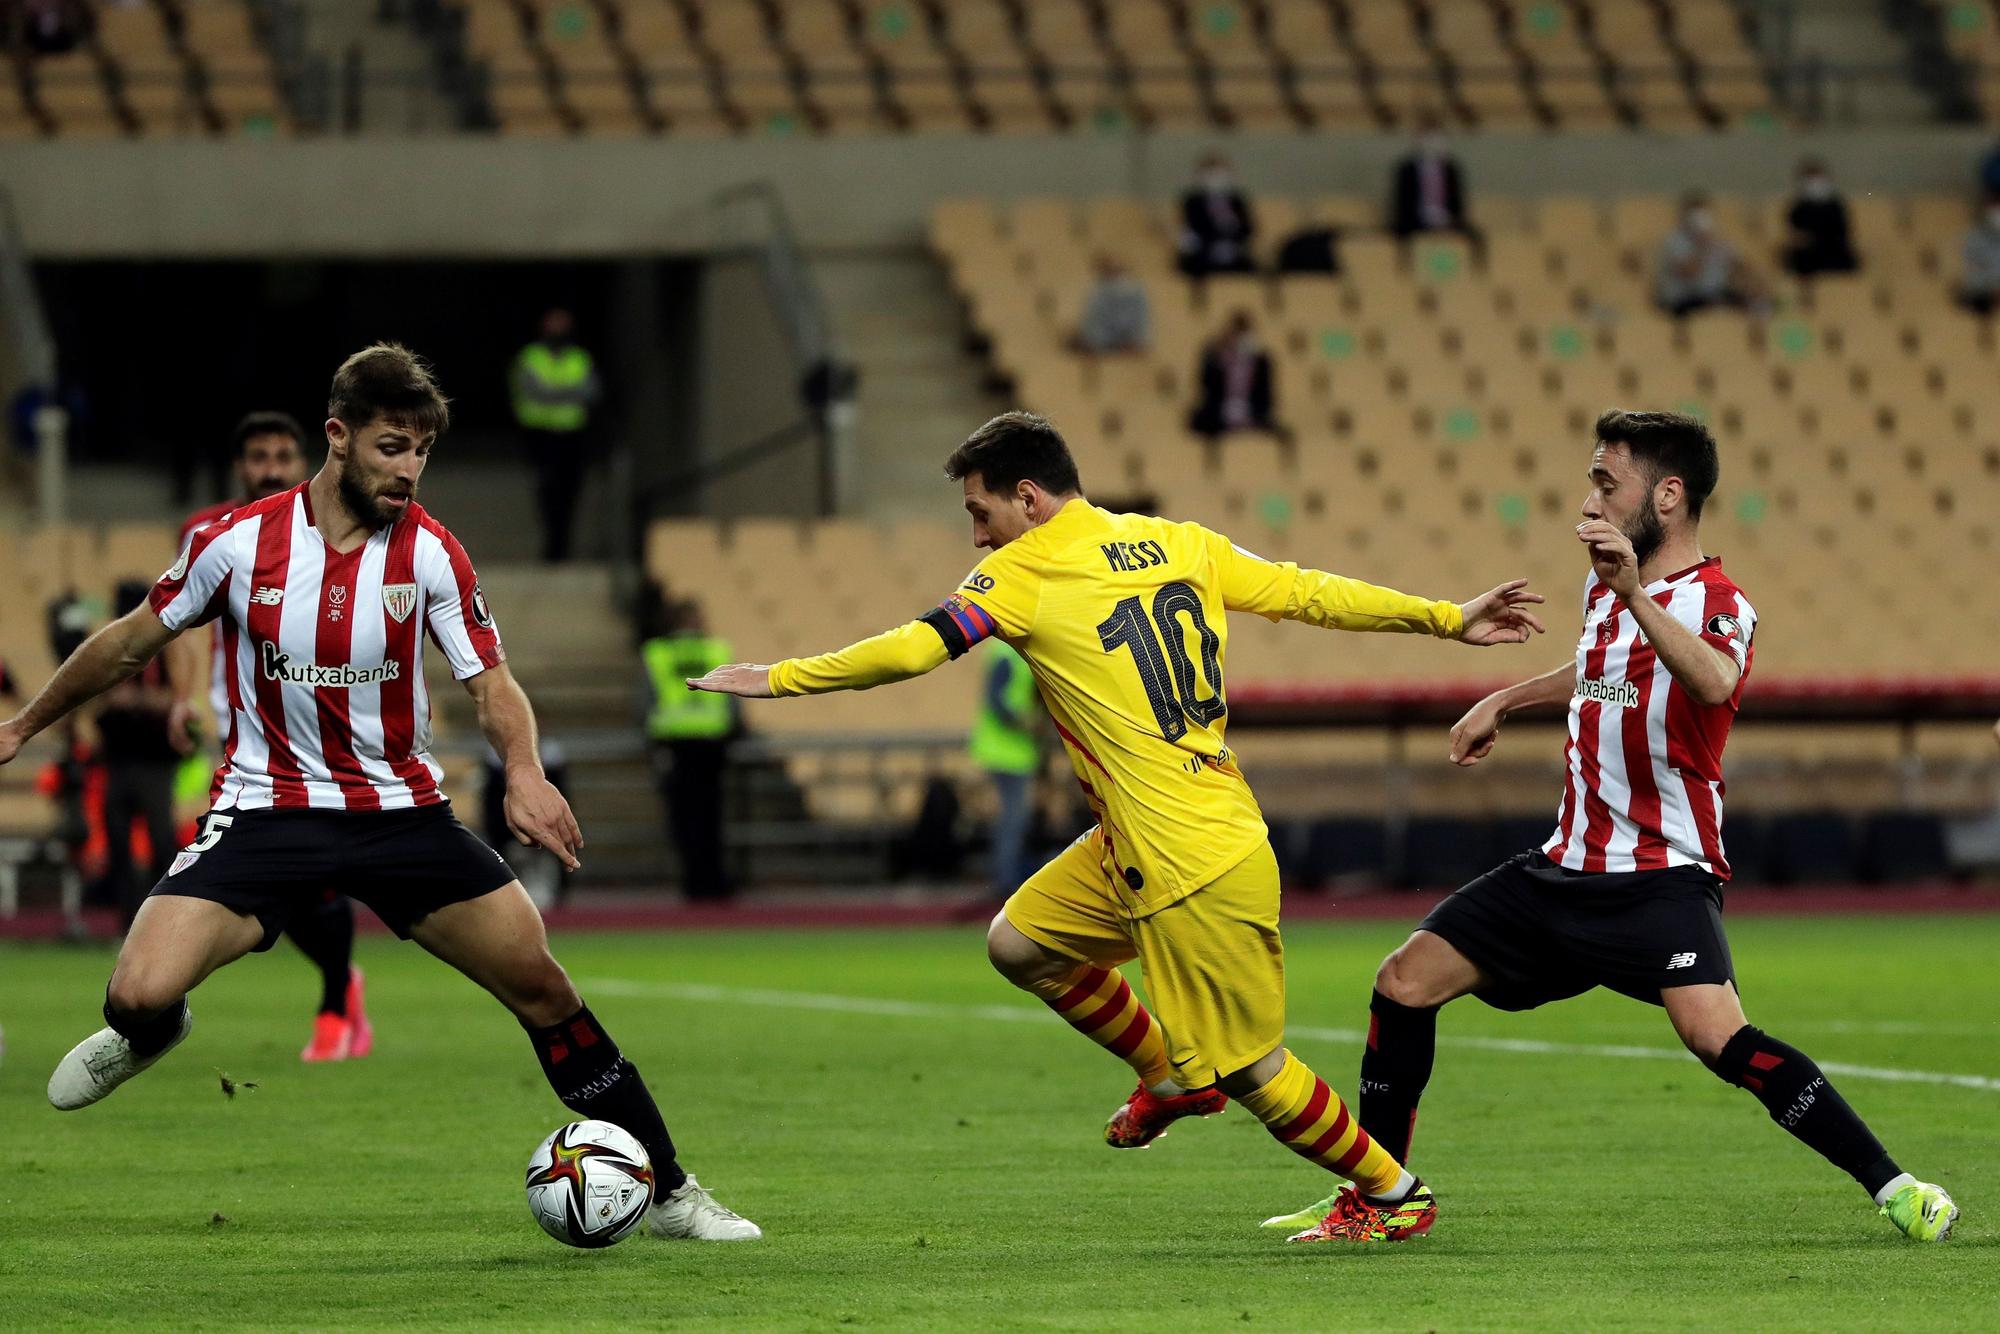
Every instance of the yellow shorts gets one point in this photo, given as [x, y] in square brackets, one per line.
[1213, 964]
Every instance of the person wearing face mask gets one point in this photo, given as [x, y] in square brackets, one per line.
[1236, 393]
[1216, 222]
[1698, 268]
[1822, 239]
[1980, 291]
[1427, 192]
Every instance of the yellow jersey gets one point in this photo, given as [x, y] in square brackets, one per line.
[1122, 620]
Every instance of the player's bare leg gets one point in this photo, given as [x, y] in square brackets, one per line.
[1709, 1019]
[498, 941]
[174, 943]
[1099, 1004]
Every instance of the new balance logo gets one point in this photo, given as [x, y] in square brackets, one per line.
[1681, 961]
[267, 596]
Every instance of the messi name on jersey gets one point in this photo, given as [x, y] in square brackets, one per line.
[1133, 556]
[278, 666]
[1624, 693]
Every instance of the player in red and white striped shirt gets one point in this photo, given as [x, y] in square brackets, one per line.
[1627, 893]
[270, 457]
[324, 592]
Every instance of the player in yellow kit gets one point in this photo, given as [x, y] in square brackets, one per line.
[1121, 618]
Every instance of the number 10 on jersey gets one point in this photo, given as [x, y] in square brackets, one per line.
[1161, 655]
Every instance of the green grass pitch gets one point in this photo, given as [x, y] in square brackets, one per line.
[922, 1146]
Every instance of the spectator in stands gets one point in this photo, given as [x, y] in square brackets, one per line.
[555, 387]
[1980, 289]
[45, 27]
[1822, 239]
[1989, 172]
[1216, 222]
[1698, 269]
[1427, 191]
[1117, 318]
[140, 762]
[1236, 392]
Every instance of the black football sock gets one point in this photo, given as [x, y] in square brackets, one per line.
[149, 1034]
[325, 934]
[594, 1080]
[1395, 1066]
[1800, 1099]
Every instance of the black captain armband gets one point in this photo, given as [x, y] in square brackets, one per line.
[938, 619]
[959, 623]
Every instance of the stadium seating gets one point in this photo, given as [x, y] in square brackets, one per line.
[832, 66]
[153, 67]
[1439, 414]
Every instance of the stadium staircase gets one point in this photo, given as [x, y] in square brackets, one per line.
[375, 47]
[921, 391]
[572, 651]
[1858, 33]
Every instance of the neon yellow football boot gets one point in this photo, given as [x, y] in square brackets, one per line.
[1922, 1212]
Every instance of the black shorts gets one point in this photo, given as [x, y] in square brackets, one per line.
[1544, 933]
[269, 863]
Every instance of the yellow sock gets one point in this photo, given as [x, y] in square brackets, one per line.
[1098, 1003]
[1309, 1118]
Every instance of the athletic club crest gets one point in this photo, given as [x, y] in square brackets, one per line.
[399, 600]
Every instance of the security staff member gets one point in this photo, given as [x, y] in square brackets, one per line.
[690, 732]
[1003, 744]
[555, 386]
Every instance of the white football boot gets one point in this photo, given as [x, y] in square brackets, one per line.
[691, 1214]
[99, 1064]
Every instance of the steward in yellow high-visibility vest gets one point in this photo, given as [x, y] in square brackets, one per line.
[554, 386]
[690, 732]
[1003, 743]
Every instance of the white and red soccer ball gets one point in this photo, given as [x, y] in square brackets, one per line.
[590, 1184]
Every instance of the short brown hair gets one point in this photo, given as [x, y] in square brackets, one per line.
[1012, 448]
[268, 423]
[388, 382]
[1666, 444]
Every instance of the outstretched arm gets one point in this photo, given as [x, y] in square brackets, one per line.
[535, 811]
[1282, 590]
[896, 655]
[113, 654]
[1475, 734]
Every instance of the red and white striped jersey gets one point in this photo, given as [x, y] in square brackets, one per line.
[1644, 758]
[324, 667]
[218, 671]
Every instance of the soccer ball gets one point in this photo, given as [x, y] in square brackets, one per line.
[590, 1184]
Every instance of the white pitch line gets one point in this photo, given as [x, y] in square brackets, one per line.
[1022, 1014]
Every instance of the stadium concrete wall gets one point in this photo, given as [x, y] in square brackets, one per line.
[497, 197]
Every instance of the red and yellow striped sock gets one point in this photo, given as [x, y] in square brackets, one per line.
[1098, 1003]
[1309, 1118]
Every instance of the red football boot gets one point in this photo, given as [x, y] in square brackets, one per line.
[1145, 1117]
[1354, 1218]
[363, 1040]
[331, 1041]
